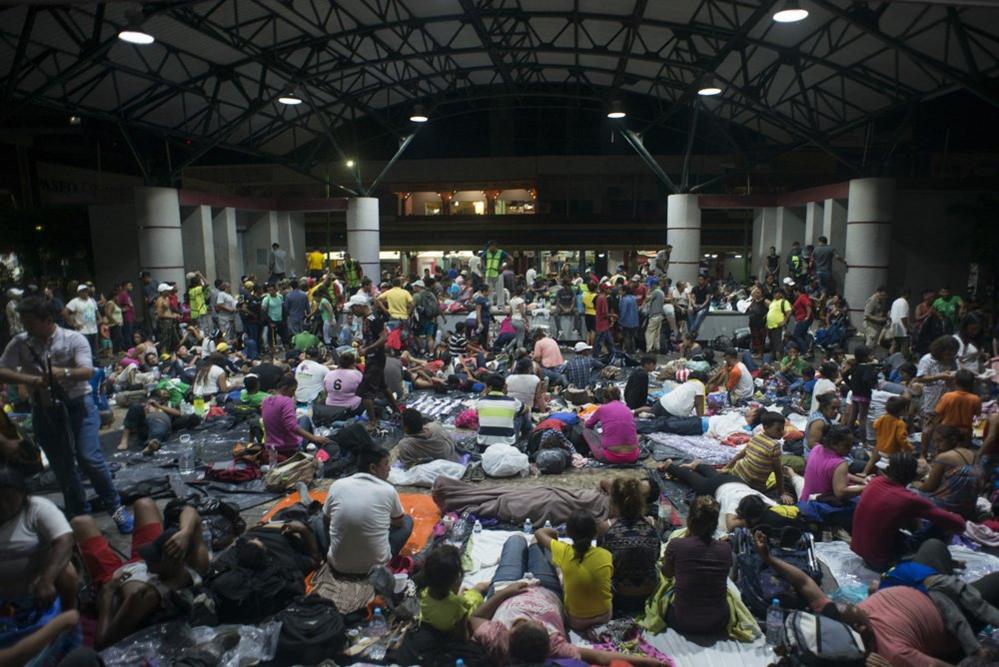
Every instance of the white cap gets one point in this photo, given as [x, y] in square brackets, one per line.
[581, 347]
[418, 283]
[358, 300]
[163, 287]
[82, 286]
[789, 282]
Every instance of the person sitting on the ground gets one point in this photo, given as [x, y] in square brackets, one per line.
[826, 412]
[827, 471]
[424, 440]
[310, 373]
[829, 373]
[586, 571]
[958, 408]
[251, 394]
[891, 432]
[636, 390]
[549, 356]
[366, 520]
[633, 541]
[577, 370]
[284, 431]
[500, 416]
[443, 604]
[521, 622]
[700, 565]
[689, 348]
[210, 380]
[684, 400]
[761, 456]
[617, 441]
[899, 625]
[524, 385]
[886, 507]
[739, 381]
[36, 544]
[341, 386]
[162, 561]
[954, 481]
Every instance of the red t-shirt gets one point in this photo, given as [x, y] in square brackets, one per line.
[801, 306]
[603, 313]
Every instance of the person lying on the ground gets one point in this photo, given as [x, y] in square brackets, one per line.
[522, 622]
[152, 422]
[900, 626]
[36, 544]
[887, 507]
[367, 524]
[423, 374]
[423, 440]
[131, 592]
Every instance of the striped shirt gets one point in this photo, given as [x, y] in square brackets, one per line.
[496, 418]
[755, 467]
[457, 345]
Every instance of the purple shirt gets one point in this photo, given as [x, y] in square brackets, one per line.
[280, 422]
[819, 470]
[618, 424]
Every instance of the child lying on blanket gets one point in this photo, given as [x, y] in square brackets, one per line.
[443, 604]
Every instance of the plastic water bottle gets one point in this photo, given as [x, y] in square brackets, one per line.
[459, 663]
[528, 527]
[206, 537]
[185, 462]
[775, 623]
[272, 457]
[986, 633]
[548, 523]
[477, 527]
[377, 627]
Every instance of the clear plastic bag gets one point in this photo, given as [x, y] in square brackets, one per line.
[226, 645]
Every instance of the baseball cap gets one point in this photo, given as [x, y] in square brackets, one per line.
[222, 347]
[581, 347]
[163, 287]
[418, 283]
[357, 300]
[82, 286]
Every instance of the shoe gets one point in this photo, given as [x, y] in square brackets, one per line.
[124, 520]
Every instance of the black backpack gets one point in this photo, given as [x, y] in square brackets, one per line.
[244, 595]
[429, 647]
[312, 629]
[814, 640]
[758, 583]
[353, 438]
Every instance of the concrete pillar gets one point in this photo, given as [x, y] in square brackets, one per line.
[790, 228]
[683, 232]
[869, 213]
[834, 229]
[161, 243]
[764, 236]
[296, 242]
[228, 257]
[199, 241]
[363, 242]
[813, 222]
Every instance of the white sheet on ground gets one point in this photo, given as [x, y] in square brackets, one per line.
[424, 474]
[723, 425]
[484, 552]
[849, 570]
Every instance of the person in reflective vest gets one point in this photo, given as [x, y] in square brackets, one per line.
[352, 271]
[493, 259]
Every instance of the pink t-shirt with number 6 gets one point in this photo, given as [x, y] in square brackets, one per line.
[341, 387]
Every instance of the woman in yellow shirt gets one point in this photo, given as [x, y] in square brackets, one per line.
[778, 313]
[586, 571]
[590, 311]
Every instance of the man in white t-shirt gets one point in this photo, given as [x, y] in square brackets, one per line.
[81, 313]
[225, 311]
[531, 276]
[367, 523]
[310, 374]
[685, 400]
[898, 322]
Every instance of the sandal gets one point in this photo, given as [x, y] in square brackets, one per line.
[152, 447]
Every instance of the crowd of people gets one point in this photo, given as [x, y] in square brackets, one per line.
[896, 455]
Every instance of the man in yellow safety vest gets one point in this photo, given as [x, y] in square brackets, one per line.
[352, 271]
[493, 260]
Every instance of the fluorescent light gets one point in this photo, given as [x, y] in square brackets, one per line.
[791, 12]
[616, 110]
[291, 99]
[737, 256]
[708, 87]
[419, 114]
[135, 36]
[75, 120]
[350, 164]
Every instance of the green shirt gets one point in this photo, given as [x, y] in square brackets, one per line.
[948, 307]
[274, 305]
[196, 300]
[325, 309]
[304, 340]
[796, 368]
[176, 388]
[253, 399]
[446, 614]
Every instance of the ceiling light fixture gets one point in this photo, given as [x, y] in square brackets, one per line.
[350, 164]
[616, 110]
[290, 98]
[75, 120]
[791, 12]
[132, 32]
[419, 114]
[708, 87]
